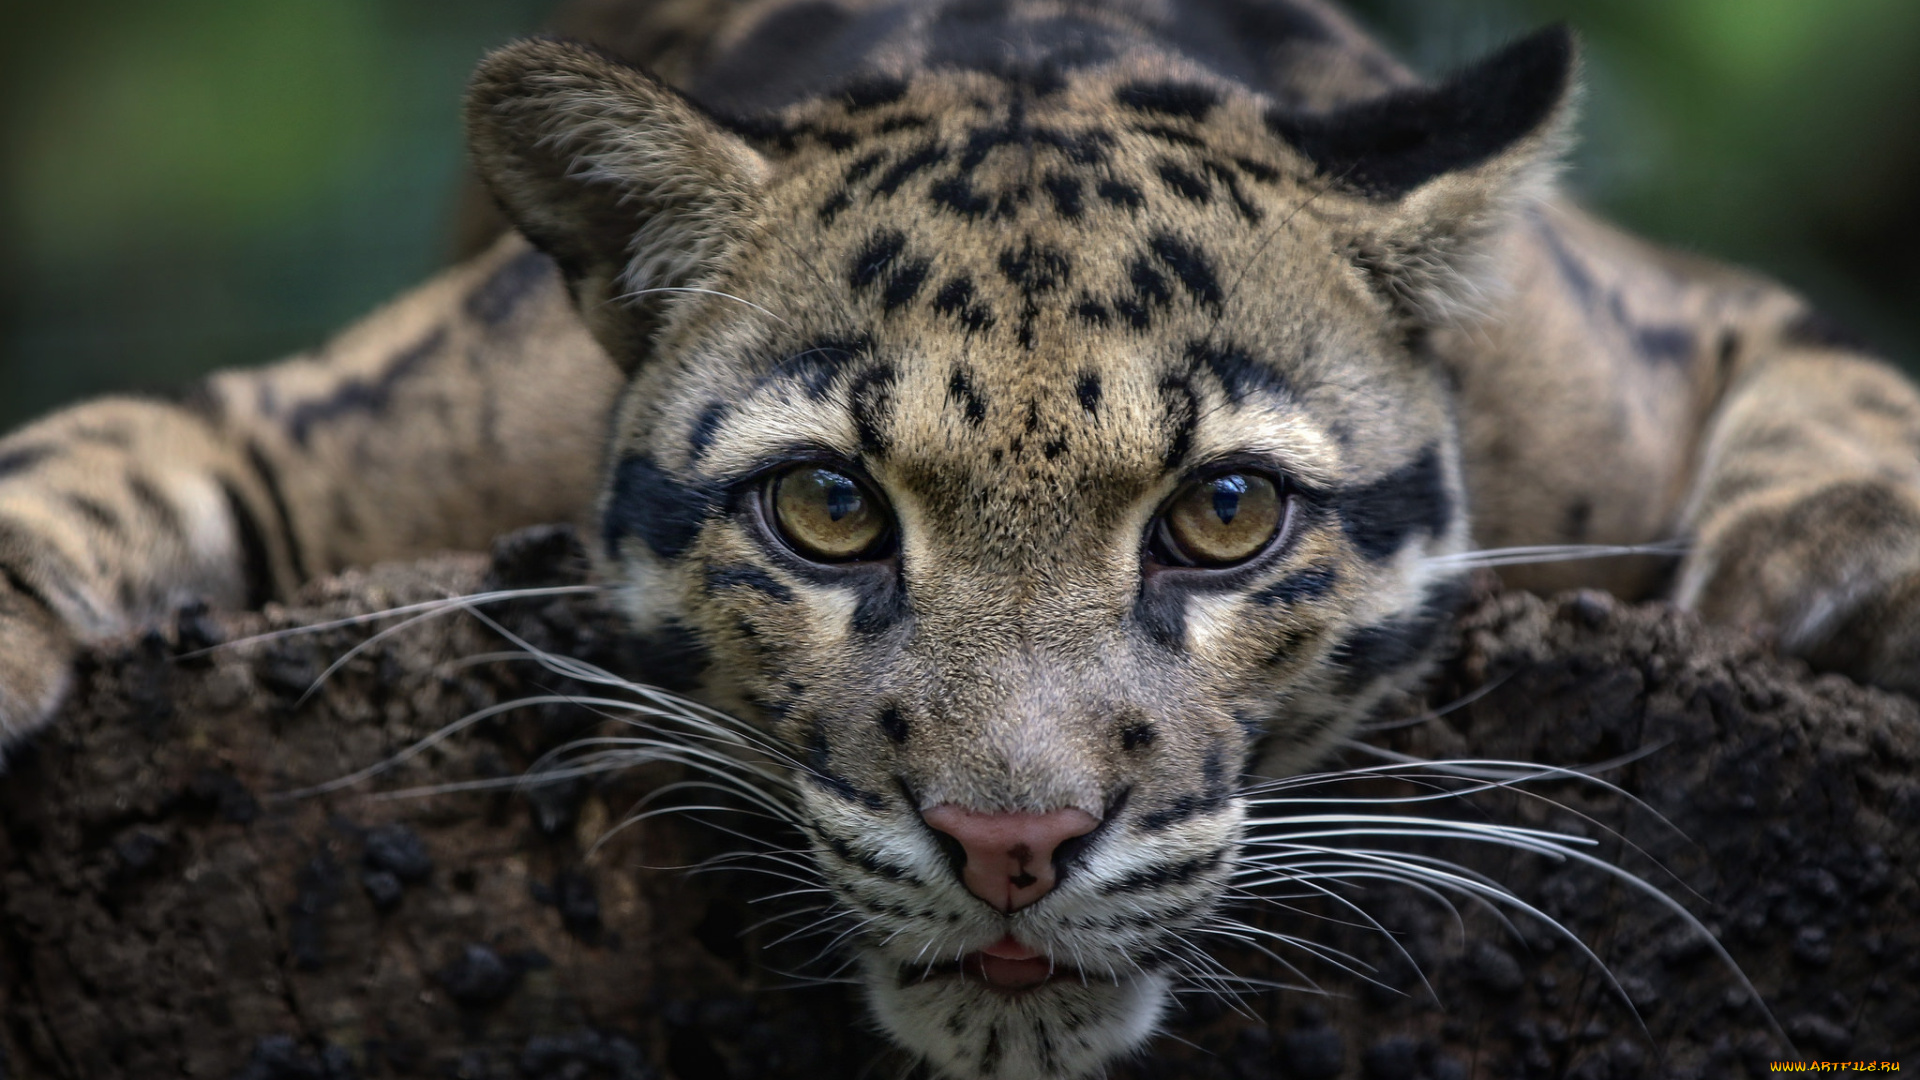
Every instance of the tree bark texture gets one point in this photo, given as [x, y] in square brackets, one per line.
[167, 910]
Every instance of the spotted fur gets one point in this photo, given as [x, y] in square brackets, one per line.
[1026, 266]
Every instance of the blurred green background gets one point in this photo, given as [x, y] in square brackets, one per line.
[186, 184]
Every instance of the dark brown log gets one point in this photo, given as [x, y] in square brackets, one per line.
[166, 911]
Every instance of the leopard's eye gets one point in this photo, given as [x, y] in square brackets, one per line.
[1220, 521]
[828, 516]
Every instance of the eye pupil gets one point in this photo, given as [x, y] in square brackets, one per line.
[842, 497]
[826, 515]
[1226, 497]
[1220, 521]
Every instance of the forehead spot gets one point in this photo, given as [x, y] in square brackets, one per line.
[1088, 390]
[955, 299]
[1065, 192]
[961, 390]
[1186, 100]
[1178, 180]
[1121, 194]
[926, 157]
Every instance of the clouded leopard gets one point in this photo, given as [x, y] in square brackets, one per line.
[1040, 415]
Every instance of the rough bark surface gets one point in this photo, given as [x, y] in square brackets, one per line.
[166, 910]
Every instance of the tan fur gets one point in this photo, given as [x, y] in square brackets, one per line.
[1026, 307]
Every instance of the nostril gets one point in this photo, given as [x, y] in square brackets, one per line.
[1007, 859]
[951, 847]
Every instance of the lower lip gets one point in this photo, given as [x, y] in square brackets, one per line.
[1010, 966]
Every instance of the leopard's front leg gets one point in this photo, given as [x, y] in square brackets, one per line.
[1805, 513]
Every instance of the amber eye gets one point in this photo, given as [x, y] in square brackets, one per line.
[1220, 521]
[828, 516]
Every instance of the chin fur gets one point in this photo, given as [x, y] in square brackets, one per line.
[1064, 1029]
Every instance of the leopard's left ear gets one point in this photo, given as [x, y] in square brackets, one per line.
[637, 194]
[1427, 175]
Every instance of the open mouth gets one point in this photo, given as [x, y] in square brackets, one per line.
[1010, 966]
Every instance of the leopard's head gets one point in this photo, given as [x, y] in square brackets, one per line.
[1033, 452]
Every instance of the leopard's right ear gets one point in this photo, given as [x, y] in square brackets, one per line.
[634, 192]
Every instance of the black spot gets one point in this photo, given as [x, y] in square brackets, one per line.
[1035, 268]
[872, 91]
[990, 1056]
[956, 299]
[1727, 353]
[905, 284]
[960, 389]
[255, 567]
[1238, 373]
[361, 396]
[1188, 100]
[22, 458]
[705, 426]
[1376, 651]
[1137, 736]
[1091, 311]
[1378, 517]
[1185, 184]
[155, 505]
[1121, 194]
[1065, 192]
[835, 203]
[1054, 447]
[901, 123]
[1191, 267]
[1665, 344]
[894, 725]
[1309, 584]
[882, 251]
[817, 366]
[837, 138]
[269, 477]
[1260, 171]
[1150, 291]
[1183, 415]
[863, 166]
[870, 400]
[496, 298]
[1389, 145]
[651, 504]
[926, 157]
[748, 577]
[102, 515]
[1815, 330]
[882, 258]
[1087, 389]
[957, 194]
[1249, 213]
[1168, 135]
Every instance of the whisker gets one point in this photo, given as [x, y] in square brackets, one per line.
[1549, 553]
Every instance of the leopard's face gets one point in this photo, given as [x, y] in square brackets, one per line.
[1037, 460]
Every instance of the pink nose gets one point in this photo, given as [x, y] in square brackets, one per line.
[1009, 856]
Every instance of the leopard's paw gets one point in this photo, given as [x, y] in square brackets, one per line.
[1833, 574]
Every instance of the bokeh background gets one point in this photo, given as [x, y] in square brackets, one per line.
[188, 184]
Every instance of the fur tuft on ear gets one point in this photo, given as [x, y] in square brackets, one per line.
[1432, 174]
[631, 189]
